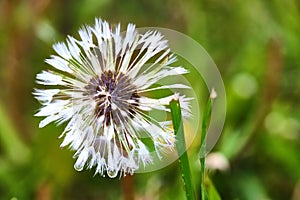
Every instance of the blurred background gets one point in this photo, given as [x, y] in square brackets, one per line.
[256, 46]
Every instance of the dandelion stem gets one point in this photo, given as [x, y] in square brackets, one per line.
[127, 183]
[181, 147]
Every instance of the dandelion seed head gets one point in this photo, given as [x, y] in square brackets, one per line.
[98, 89]
[110, 91]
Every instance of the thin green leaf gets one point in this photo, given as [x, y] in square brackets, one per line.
[181, 147]
[212, 193]
[205, 125]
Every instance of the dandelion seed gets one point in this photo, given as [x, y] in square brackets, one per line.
[99, 90]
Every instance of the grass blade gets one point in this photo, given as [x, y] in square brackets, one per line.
[181, 147]
[205, 125]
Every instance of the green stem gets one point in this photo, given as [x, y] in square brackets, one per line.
[181, 147]
[205, 125]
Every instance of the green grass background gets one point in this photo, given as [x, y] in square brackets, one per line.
[256, 46]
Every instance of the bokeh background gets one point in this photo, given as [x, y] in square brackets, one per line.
[256, 46]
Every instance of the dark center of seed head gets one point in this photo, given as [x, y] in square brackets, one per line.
[111, 92]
